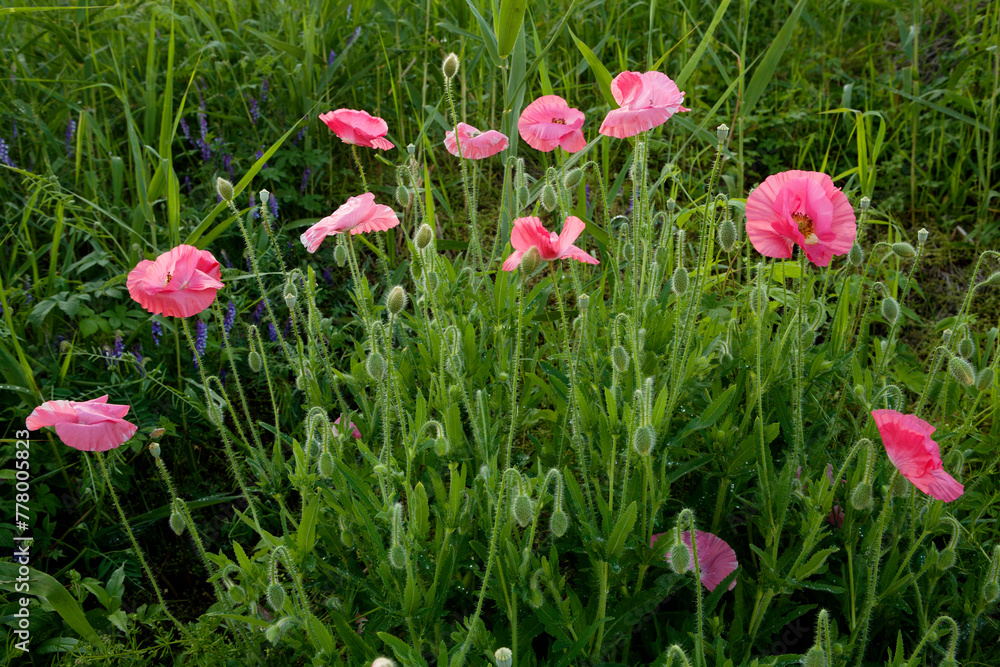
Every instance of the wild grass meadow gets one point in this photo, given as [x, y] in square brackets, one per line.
[475, 333]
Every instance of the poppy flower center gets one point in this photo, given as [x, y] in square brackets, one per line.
[559, 121]
[806, 227]
[169, 277]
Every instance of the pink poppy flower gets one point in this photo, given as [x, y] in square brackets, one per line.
[356, 215]
[549, 122]
[907, 440]
[836, 518]
[716, 559]
[645, 100]
[802, 208]
[476, 145]
[90, 426]
[179, 283]
[358, 127]
[529, 231]
[354, 429]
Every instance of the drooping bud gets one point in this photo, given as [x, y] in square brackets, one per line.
[524, 509]
[559, 523]
[962, 371]
[225, 189]
[679, 282]
[276, 596]
[572, 178]
[643, 440]
[432, 281]
[375, 365]
[890, 310]
[992, 279]
[255, 361]
[814, 657]
[340, 255]
[861, 496]
[582, 302]
[442, 446]
[984, 379]
[946, 559]
[660, 255]
[423, 237]
[991, 591]
[397, 557]
[965, 348]
[237, 594]
[504, 657]
[530, 261]
[722, 132]
[679, 558]
[403, 196]
[628, 252]
[922, 236]
[727, 235]
[325, 465]
[523, 195]
[620, 358]
[856, 256]
[154, 449]
[396, 301]
[904, 250]
[176, 522]
[450, 66]
[549, 199]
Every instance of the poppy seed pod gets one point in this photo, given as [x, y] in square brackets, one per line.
[922, 236]
[340, 255]
[424, 236]
[722, 132]
[225, 189]
[531, 260]
[572, 178]
[265, 197]
[504, 657]
[890, 310]
[291, 294]
[582, 302]
[396, 301]
[961, 370]
[549, 199]
[450, 66]
[903, 250]
[276, 596]
[154, 449]
[864, 203]
[965, 348]
[558, 523]
[620, 358]
[679, 281]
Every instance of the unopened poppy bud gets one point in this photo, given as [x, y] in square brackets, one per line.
[397, 557]
[325, 465]
[966, 348]
[861, 496]
[946, 336]
[340, 255]
[154, 449]
[504, 657]
[255, 361]
[276, 596]
[291, 295]
[375, 365]
[432, 281]
[396, 301]
[582, 302]
[177, 522]
[558, 523]
[530, 261]
[346, 538]
[424, 236]
[572, 178]
[991, 591]
[225, 189]
[671, 205]
[549, 199]
[644, 440]
[524, 509]
[838, 648]
[679, 282]
[814, 657]
[523, 195]
[946, 559]
[992, 279]
[442, 446]
[864, 203]
[620, 358]
[722, 132]
[660, 255]
[237, 594]
[890, 310]
[403, 196]
[922, 236]
[856, 256]
[450, 66]
[265, 196]
[961, 370]
[984, 379]
[860, 391]
[628, 252]
[727, 235]
[679, 558]
[904, 250]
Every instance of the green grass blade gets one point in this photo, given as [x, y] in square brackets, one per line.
[692, 63]
[769, 63]
[509, 25]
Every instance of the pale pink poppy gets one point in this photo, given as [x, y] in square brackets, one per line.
[356, 215]
[645, 100]
[529, 231]
[716, 559]
[354, 429]
[358, 127]
[802, 208]
[907, 440]
[179, 283]
[476, 145]
[90, 426]
[549, 122]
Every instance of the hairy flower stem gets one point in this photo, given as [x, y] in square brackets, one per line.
[515, 370]
[135, 545]
[873, 568]
[800, 363]
[475, 250]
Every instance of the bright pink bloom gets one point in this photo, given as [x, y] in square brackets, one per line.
[179, 283]
[801, 208]
[356, 215]
[549, 122]
[907, 440]
[354, 429]
[529, 231]
[716, 559]
[644, 100]
[836, 517]
[476, 145]
[358, 127]
[90, 426]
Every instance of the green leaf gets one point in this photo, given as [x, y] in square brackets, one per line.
[622, 529]
[45, 587]
[305, 538]
[692, 63]
[601, 72]
[509, 24]
[489, 39]
[813, 565]
[769, 63]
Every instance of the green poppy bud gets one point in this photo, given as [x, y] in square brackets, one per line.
[524, 509]
[890, 310]
[628, 252]
[375, 365]
[661, 255]
[276, 596]
[177, 522]
[255, 361]
[403, 196]
[291, 294]
[946, 559]
[325, 465]
[340, 255]
[347, 538]
[424, 236]
[450, 66]
[984, 379]
[572, 178]
[523, 195]
[559, 523]
[991, 591]
[961, 370]
[396, 301]
[225, 189]
[442, 446]
[643, 440]
[727, 235]
[432, 281]
[814, 657]
[679, 558]
[549, 199]
[856, 256]
[965, 348]
[530, 261]
[679, 281]
[903, 250]
[861, 496]
[620, 358]
[993, 279]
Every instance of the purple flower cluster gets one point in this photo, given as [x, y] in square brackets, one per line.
[70, 133]
[185, 129]
[187, 184]
[257, 312]
[352, 38]
[305, 179]
[139, 360]
[200, 341]
[586, 190]
[263, 91]
[273, 204]
[225, 258]
[119, 348]
[255, 212]
[5, 154]
[157, 332]
[227, 164]
[327, 276]
[260, 154]
[254, 110]
[272, 332]
[331, 57]
[230, 319]
[299, 136]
